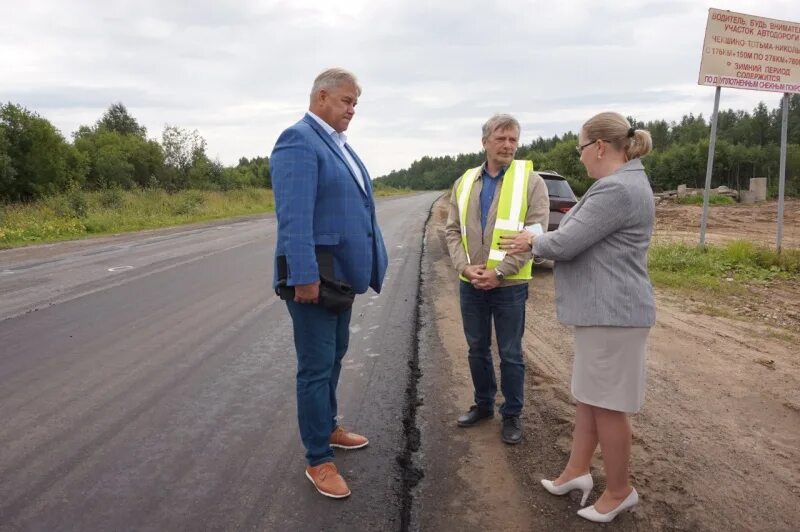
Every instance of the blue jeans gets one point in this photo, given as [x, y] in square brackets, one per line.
[320, 338]
[506, 305]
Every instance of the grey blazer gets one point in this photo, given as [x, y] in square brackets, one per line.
[600, 253]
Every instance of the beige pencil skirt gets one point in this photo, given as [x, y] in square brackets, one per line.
[610, 366]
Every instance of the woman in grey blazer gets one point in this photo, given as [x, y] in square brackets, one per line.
[604, 291]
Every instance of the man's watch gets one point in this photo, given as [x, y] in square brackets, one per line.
[499, 274]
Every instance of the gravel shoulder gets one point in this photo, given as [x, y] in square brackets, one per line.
[716, 446]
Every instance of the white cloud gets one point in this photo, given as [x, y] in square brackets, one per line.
[240, 71]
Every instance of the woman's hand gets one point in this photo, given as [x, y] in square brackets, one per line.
[522, 242]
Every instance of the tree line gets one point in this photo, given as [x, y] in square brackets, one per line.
[114, 153]
[748, 145]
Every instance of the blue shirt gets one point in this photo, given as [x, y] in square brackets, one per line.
[487, 192]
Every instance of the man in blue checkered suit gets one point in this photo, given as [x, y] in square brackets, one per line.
[324, 203]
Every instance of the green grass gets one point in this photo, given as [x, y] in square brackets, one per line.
[713, 199]
[79, 214]
[383, 190]
[719, 269]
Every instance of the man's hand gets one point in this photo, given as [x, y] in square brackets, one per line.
[486, 280]
[473, 271]
[306, 293]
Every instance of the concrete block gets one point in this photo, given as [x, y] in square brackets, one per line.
[747, 196]
[681, 190]
[759, 186]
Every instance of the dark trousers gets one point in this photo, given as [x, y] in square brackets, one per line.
[506, 306]
[320, 338]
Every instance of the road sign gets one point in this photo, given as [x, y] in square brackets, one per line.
[747, 52]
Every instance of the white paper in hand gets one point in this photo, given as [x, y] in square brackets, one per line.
[535, 229]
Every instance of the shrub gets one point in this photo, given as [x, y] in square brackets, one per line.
[112, 198]
[72, 204]
[189, 202]
[78, 204]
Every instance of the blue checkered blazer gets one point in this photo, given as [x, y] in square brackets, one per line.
[319, 204]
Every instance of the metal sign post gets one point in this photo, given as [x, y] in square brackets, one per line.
[782, 174]
[712, 143]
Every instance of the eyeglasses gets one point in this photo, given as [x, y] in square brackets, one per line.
[579, 148]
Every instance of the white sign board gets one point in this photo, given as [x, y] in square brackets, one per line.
[746, 52]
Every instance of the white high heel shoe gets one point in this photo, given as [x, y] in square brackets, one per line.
[593, 515]
[583, 483]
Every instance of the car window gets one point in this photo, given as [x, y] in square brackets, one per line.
[559, 189]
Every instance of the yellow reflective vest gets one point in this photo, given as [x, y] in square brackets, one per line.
[511, 210]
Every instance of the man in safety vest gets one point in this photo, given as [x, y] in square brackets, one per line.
[497, 198]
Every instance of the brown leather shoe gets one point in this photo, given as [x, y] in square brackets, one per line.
[327, 480]
[347, 440]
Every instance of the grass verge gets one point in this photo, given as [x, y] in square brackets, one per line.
[719, 269]
[697, 199]
[79, 214]
[384, 190]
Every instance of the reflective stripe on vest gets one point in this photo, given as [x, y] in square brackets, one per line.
[511, 210]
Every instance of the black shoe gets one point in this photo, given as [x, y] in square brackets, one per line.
[512, 430]
[474, 415]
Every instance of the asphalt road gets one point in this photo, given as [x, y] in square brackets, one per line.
[147, 383]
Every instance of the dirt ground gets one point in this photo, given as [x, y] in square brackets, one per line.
[775, 303]
[756, 222]
[716, 446]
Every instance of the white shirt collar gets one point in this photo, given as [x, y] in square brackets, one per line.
[340, 138]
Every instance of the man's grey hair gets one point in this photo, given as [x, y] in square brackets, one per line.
[333, 78]
[501, 122]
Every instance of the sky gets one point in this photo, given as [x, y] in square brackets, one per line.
[432, 72]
